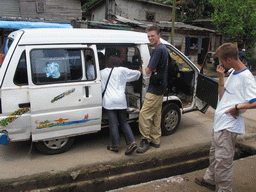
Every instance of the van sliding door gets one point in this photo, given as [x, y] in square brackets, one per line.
[64, 91]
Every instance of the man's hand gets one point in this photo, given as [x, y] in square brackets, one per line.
[221, 70]
[140, 69]
[148, 70]
[232, 111]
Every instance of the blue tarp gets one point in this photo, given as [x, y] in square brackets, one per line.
[31, 24]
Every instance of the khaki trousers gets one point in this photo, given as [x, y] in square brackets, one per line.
[150, 118]
[222, 151]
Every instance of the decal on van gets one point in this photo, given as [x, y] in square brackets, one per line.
[63, 95]
[62, 122]
[13, 116]
[52, 70]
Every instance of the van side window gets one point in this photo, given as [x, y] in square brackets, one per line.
[129, 55]
[131, 58]
[56, 65]
[21, 76]
[90, 65]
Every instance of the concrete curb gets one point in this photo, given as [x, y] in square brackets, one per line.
[94, 175]
[117, 174]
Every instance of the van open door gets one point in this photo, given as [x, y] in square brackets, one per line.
[207, 91]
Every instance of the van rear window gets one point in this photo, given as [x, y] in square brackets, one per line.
[21, 76]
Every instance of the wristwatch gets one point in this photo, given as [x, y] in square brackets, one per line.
[236, 107]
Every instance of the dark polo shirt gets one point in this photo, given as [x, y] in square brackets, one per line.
[159, 61]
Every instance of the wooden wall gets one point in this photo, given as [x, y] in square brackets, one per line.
[53, 10]
[9, 8]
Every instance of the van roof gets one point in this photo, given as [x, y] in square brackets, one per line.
[80, 36]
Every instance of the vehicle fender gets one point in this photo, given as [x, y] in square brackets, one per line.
[172, 99]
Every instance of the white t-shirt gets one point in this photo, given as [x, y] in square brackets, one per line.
[90, 72]
[114, 97]
[240, 88]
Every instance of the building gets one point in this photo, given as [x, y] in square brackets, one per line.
[16, 14]
[46, 10]
[133, 9]
[194, 41]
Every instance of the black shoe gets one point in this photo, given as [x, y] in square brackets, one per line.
[154, 145]
[112, 148]
[132, 147]
[144, 146]
[202, 182]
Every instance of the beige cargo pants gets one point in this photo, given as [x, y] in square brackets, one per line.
[150, 118]
[222, 151]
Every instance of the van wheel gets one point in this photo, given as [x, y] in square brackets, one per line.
[170, 119]
[55, 146]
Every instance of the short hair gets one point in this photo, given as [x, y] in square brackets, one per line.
[227, 50]
[88, 57]
[113, 61]
[153, 28]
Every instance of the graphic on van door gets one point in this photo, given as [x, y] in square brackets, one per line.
[63, 95]
[62, 122]
[52, 70]
[13, 116]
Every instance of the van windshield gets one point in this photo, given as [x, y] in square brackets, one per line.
[4, 49]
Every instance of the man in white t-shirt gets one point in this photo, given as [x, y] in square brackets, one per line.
[235, 96]
[90, 68]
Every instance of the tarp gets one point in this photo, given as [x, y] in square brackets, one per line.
[31, 24]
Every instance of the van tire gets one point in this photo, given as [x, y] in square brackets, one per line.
[55, 146]
[170, 118]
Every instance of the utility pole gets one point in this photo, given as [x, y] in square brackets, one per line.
[173, 20]
[107, 10]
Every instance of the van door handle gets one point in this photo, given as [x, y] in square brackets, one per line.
[86, 91]
[24, 105]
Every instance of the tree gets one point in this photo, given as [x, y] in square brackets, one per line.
[236, 20]
[191, 9]
[195, 9]
[88, 3]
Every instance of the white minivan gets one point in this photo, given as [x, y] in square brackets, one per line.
[51, 87]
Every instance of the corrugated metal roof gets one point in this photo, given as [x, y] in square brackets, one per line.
[157, 3]
[180, 25]
[125, 20]
[144, 1]
[162, 24]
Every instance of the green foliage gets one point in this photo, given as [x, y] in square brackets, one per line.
[252, 63]
[191, 10]
[197, 9]
[236, 19]
[86, 5]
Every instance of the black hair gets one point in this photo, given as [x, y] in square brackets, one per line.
[113, 61]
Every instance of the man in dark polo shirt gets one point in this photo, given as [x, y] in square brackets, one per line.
[150, 114]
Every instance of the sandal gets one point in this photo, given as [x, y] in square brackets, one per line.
[132, 147]
[112, 148]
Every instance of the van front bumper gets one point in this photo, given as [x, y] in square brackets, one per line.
[4, 138]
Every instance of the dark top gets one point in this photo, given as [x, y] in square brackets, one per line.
[242, 56]
[159, 61]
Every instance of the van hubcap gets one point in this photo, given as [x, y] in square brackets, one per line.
[171, 119]
[56, 143]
